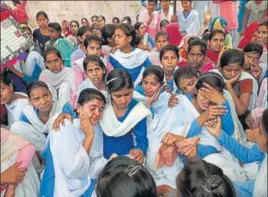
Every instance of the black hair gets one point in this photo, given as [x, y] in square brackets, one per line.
[161, 33]
[198, 42]
[91, 38]
[185, 72]
[128, 19]
[123, 176]
[264, 23]
[107, 32]
[118, 79]
[163, 23]
[191, 39]
[41, 13]
[84, 19]
[137, 25]
[15, 2]
[89, 94]
[129, 31]
[199, 178]
[169, 48]
[83, 30]
[214, 32]
[50, 50]
[137, 17]
[102, 17]
[154, 1]
[254, 47]
[94, 16]
[5, 78]
[139, 39]
[157, 71]
[34, 85]
[116, 18]
[55, 26]
[211, 78]
[264, 120]
[97, 60]
[205, 36]
[74, 21]
[231, 56]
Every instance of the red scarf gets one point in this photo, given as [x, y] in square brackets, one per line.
[173, 31]
[213, 55]
[247, 36]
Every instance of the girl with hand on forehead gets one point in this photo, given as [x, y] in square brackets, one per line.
[151, 94]
[208, 103]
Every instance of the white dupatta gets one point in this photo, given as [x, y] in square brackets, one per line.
[130, 60]
[191, 23]
[174, 91]
[87, 83]
[70, 161]
[155, 132]
[111, 126]
[36, 130]
[33, 59]
[239, 133]
[32, 116]
[159, 106]
[260, 186]
[73, 166]
[56, 79]
[14, 109]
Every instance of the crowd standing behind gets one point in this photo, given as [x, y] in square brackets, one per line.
[171, 104]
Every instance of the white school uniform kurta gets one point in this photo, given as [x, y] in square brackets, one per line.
[87, 83]
[162, 16]
[190, 24]
[34, 58]
[15, 108]
[131, 61]
[35, 132]
[260, 186]
[74, 167]
[239, 133]
[155, 133]
[178, 120]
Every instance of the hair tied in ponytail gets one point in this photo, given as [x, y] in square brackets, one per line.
[213, 182]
